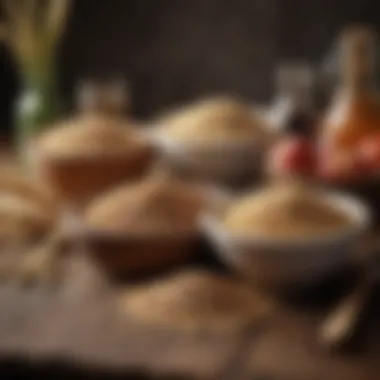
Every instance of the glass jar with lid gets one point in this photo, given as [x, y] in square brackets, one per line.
[103, 97]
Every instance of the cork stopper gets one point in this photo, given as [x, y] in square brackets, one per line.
[108, 97]
[357, 45]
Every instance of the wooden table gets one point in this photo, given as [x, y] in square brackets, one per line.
[61, 332]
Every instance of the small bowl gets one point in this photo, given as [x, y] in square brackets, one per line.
[231, 164]
[135, 255]
[281, 265]
[80, 178]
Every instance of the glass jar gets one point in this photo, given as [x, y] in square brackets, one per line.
[103, 97]
[293, 111]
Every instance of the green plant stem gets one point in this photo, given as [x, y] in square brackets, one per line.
[38, 105]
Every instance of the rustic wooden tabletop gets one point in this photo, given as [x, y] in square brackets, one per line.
[76, 331]
[66, 331]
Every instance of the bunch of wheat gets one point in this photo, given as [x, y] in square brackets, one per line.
[33, 29]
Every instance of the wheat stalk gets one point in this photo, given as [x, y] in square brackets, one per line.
[57, 15]
[34, 29]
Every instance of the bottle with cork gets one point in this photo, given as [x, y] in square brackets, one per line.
[294, 112]
[355, 110]
[103, 98]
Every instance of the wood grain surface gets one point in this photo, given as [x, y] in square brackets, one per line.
[86, 329]
[78, 327]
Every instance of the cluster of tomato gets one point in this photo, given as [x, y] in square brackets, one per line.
[300, 156]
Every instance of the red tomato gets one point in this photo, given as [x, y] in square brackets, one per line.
[369, 153]
[340, 167]
[292, 156]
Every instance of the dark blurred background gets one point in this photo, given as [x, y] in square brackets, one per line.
[172, 51]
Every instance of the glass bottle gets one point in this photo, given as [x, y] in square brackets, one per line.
[354, 112]
[103, 98]
[294, 111]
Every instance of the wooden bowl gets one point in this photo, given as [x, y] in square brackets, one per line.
[131, 253]
[135, 256]
[79, 179]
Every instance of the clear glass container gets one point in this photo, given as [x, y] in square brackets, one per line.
[103, 97]
[294, 111]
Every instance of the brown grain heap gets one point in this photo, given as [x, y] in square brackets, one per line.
[157, 205]
[196, 301]
[28, 208]
[89, 154]
[89, 135]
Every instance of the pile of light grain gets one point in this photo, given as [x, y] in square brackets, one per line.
[220, 119]
[285, 211]
[195, 300]
[27, 207]
[88, 135]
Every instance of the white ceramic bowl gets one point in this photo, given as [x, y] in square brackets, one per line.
[224, 163]
[275, 264]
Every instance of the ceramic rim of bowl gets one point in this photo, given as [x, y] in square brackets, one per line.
[161, 138]
[353, 207]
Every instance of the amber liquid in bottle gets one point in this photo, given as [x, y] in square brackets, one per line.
[294, 111]
[355, 109]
